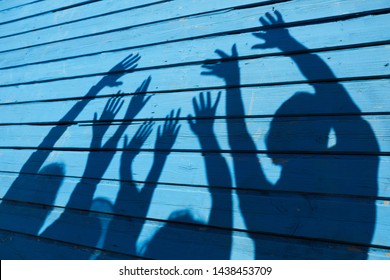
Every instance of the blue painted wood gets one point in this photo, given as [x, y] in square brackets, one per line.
[69, 15]
[187, 168]
[109, 14]
[8, 5]
[336, 34]
[36, 8]
[238, 20]
[345, 64]
[165, 11]
[14, 135]
[294, 165]
[367, 95]
[280, 213]
[17, 246]
[165, 236]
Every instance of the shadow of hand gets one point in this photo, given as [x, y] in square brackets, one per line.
[273, 37]
[227, 70]
[99, 127]
[205, 110]
[132, 149]
[167, 134]
[123, 67]
[139, 137]
[138, 100]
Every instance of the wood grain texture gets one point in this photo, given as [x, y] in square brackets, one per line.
[336, 35]
[8, 5]
[15, 135]
[18, 246]
[165, 236]
[276, 212]
[258, 100]
[292, 162]
[320, 171]
[101, 13]
[21, 12]
[66, 16]
[239, 20]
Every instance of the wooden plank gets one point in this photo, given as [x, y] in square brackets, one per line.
[360, 63]
[240, 20]
[371, 29]
[17, 246]
[86, 229]
[37, 8]
[300, 173]
[69, 15]
[284, 203]
[110, 10]
[203, 239]
[361, 134]
[367, 95]
[353, 220]
[8, 5]
[125, 20]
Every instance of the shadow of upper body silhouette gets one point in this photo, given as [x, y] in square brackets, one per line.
[296, 214]
[190, 244]
[39, 184]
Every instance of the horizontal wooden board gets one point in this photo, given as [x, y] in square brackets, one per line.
[361, 63]
[336, 34]
[69, 15]
[303, 134]
[349, 220]
[114, 23]
[19, 246]
[109, 14]
[303, 173]
[258, 101]
[210, 25]
[121, 236]
[8, 5]
[37, 8]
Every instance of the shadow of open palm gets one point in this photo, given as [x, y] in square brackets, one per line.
[167, 133]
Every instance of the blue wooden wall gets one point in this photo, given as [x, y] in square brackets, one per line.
[194, 129]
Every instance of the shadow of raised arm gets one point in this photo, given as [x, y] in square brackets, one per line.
[127, 201]
[205, 114]
[166, 137]
[100, 156]
[167, 134]
[217, 170]
[188, 245]
[35, 179]
[132, 148]
[235, 113]
[276, 35]
[101, 125]
[36, 160]
[137, 102]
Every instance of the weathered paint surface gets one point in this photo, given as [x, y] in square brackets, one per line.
[250, 129]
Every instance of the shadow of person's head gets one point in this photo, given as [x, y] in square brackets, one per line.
[175, 240]
[292, 130]
[47, 183]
